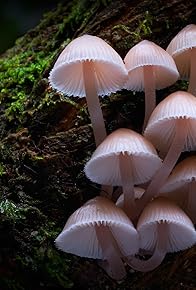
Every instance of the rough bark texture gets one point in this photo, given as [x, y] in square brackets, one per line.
[46, 139]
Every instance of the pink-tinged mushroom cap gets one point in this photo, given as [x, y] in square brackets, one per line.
[108, 67]
[144, 54]
[149, 68]
[89, 67]
[172, 129]
[183, 49]
[161, 127]
[163, 227]
[181, 186]
[100, 230]
[124, 158]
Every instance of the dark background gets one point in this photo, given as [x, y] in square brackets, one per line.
[18, 16]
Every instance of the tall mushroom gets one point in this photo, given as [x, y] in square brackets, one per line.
[172, 130]
[100, 230]
[90, 67]
[124, 158]
[183, 50]
[163, 227]
[149, 68]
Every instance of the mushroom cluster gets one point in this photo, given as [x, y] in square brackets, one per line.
[152, 205]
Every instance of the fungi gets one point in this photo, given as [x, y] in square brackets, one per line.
[183, 50]
[149, 67]
[90, 67]
[163, 227]
[124, 158]
[171, 129]
[100, 230]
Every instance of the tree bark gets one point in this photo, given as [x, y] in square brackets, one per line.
[46, 138]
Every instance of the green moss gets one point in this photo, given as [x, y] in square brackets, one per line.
[22, 68]
[18, 74]
[11, 211]
[130, 37]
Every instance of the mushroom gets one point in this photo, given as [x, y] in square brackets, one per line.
[90, 67]
[124, 158]
[171, 129]
[100, 230]
[181, 186]
[183, 49]
[149, 67]
[163, 227]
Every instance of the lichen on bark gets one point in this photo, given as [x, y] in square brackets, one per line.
[46, 138]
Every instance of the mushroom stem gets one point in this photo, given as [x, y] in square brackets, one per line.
[93, 103]
[158, 180]
[158, 255]
[192, 80]
[191, 201]
[150, 95]
[113, 265]
[127, 185]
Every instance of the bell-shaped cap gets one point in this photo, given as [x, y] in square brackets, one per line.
[104, 168]
[79, 236]
[182, 234]
[180, 49]
[160, 129]
[109, 69]
[147, 53]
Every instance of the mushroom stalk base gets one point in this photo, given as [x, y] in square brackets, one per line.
[158, 255]
[93, 103]
[112, 264]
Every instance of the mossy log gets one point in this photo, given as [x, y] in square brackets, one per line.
[46, 138]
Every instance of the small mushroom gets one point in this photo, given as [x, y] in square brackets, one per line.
[172, 130]
[181, 186]
[149, 68]
[100, 230]
[90, 67]
[124, 158]
[163, 227]
[183, 50]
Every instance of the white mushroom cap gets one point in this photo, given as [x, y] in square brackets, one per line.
[67, 73]
[79, 236]
[180, 49]
[147, 53]
[103, 167]
[160, 129]
[182, 233]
